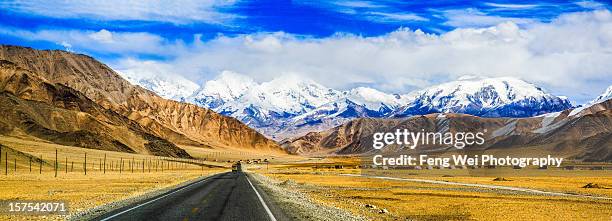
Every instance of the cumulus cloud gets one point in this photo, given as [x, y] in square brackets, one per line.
[178, 11]
[571, 55]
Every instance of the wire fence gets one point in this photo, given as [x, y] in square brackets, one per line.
[16, 162]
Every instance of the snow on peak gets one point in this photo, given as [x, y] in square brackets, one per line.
[374, 99]
[169, 86]
[603, 97]
[227, 86]
[289, 94]
[488, 92]
[292, 102]
[239, 96]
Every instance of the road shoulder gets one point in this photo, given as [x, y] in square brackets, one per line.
[295, 205]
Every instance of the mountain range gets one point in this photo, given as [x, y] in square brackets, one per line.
[583, 134]
[290, 106]
[73, 99]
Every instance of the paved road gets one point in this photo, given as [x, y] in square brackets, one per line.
[227, 196]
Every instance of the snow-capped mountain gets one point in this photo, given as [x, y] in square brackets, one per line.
[355, 103]
[487, 97]
[291, 106]
[168, 86]
[606, 95]
[603, 97]
[227, 88]
[262, 105]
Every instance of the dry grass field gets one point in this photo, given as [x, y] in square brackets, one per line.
[425, 201]
[376, 199]
[97, 187]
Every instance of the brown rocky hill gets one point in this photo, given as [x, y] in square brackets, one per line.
[582, 134]
[32, 106]
[180, 123]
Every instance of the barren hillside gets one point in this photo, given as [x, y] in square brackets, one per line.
[177, 122]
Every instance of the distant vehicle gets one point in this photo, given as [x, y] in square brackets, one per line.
[236, 167]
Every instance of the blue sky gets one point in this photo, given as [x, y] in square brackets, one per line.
[199, 39]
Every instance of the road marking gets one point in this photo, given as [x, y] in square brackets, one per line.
[261, 200]
[153, 200]
[518, 189]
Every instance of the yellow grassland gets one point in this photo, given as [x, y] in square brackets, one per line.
[424, 201]
[94, 189]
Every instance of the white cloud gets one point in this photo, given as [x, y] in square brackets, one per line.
[472, 17]
[511, 6]
[103, 35]
[357, 4]
[395, 17]
[570, 55]
[378, 12]
[123, 43]
[178, 11]
[590, 4]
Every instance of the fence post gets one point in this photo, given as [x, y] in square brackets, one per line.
[30, 164]
[66, 165]
[15, 164]
[121, 166]
[55, 162]
[104, 163]
[40, 165]
[5, 162]
[71, 166]
[85, 164]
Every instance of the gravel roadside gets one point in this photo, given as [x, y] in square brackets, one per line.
[298, 205]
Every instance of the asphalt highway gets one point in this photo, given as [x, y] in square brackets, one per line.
[226, 196]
